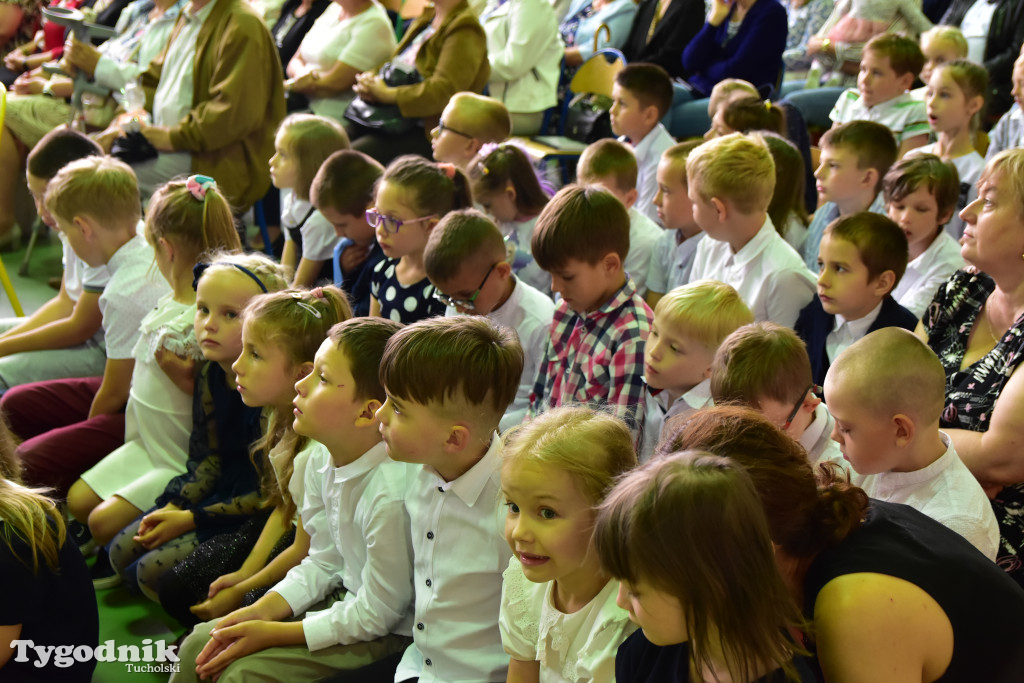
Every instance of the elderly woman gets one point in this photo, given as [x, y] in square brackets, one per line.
[975, 324]
[448, 47]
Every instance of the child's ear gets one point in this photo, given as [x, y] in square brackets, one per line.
[503, 269]
[975, 104]
[368, 415]
[651, 116]
[303, 370]
[906, 81]
[167, 248]
[458, 438]
[870, 178]
[631, 197]
[473, 146]
[884, 283]
[945, 218]
[904, 429]
[611, 262]
[721, 209]
[510, 190]
[86, 225]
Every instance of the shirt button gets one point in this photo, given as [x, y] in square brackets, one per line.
[420, 626]
[427, 661]
[441, 489]
[430, 535]
[428, 583]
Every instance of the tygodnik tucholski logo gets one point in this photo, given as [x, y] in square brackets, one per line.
[153, 656]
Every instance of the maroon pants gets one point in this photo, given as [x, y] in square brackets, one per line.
[60, 440]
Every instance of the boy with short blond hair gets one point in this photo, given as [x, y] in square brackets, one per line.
[730, 182]
[765, 366]
[612, 165]
[467, 262]
[921, 194]
[854, 159]
[468, 122]
[448, 382]
[888, 67]
[595, 352]
[641, 96]
[891, 437]
[342, 191]
[672, 259]
[862, 259]
[69, 424]
[690, 322]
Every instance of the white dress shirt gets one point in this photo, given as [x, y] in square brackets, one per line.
[648, 153]
[925, 273]
[643, 236]
[459, 555]
[845, 332]
[767, 273]
[947, 492]
[358, 537]
[817, 439]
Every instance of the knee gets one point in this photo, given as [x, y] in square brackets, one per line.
[103, 525]
[81, 502]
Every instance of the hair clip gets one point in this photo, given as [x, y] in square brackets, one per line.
[447, 169]
[318, 292]
[199, 185]
[297, 297]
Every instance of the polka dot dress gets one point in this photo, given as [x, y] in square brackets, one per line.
[405, 304]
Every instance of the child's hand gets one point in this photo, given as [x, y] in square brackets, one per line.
[163, 525]
[231, 643]
[353, 256]
[181, 371]
[217, 605]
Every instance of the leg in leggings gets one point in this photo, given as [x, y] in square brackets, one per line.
[142, 568]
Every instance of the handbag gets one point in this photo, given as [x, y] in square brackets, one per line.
[587, 119]
[385, 118]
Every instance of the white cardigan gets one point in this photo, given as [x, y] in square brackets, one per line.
[525, 51]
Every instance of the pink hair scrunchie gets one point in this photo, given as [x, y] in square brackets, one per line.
[198, 185]
[447, 169]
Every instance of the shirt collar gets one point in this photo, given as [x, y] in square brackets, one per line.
[125, 251]
[358, 467]
[858, 328]
[621, 298]
[755, 246]
[642, 148]
[821, 424]
[470, 485]
[895, 480]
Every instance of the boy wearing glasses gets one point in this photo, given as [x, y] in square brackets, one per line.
[469, 122]
[890, 434]
[595, 353]
[765, 367]
[467, 262]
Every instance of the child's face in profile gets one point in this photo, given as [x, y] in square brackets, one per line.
[264, 374]
[450, 142]
[675, 210]
[673, 360]
[936, 52]
[877, 81]
[949, 108]
[837, 174]
[583, 286]
[917, 214]
[866, 439]
[413, 432]
[1018, 82]
[657, 612]
[627, 116]
[844, 286]
[221, 295]
[412, 235]
[326, 405]
[548, 525]
[284, 167]
[500, 205]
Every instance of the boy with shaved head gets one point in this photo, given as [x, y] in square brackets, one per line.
[886, 393]
[469, 122]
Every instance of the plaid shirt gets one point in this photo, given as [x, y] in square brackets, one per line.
[597, 359]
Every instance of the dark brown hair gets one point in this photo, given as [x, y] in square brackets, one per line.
[363, 340]
[457, 241]
[760, 361]
[429, 190]
[581, 223]
[752, 113]
[939, 177]
[905, 56]
[345, 182]
[57, 149]
[650, 84]
[872, 143]
[881, 243]
[506, 165]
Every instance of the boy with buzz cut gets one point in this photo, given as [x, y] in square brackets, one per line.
[448, 382]
[888, 67]
[921, 194]
[730, 181]
[469, 122]
[641, 96]
[672, 259]
[595, 354]
[891, 438]
[862, 259]
[854, 159]
[765, 367]
[349, 602]
[342, 191]
[612, 165]
[690, 322]
[69, 424]
[466, 261]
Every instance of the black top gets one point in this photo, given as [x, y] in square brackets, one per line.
[640, 661]
[682, 20]
[53, 609]
[984, 605]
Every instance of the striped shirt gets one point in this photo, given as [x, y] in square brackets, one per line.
[905, 116]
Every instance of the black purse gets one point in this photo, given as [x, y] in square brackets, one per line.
[385, 118]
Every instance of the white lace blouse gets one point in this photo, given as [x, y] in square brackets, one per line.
[570, 647]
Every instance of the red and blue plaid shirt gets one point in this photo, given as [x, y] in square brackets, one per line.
[597, 359]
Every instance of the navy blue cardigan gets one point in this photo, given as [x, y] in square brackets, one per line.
[754, 53]
[814, 325]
